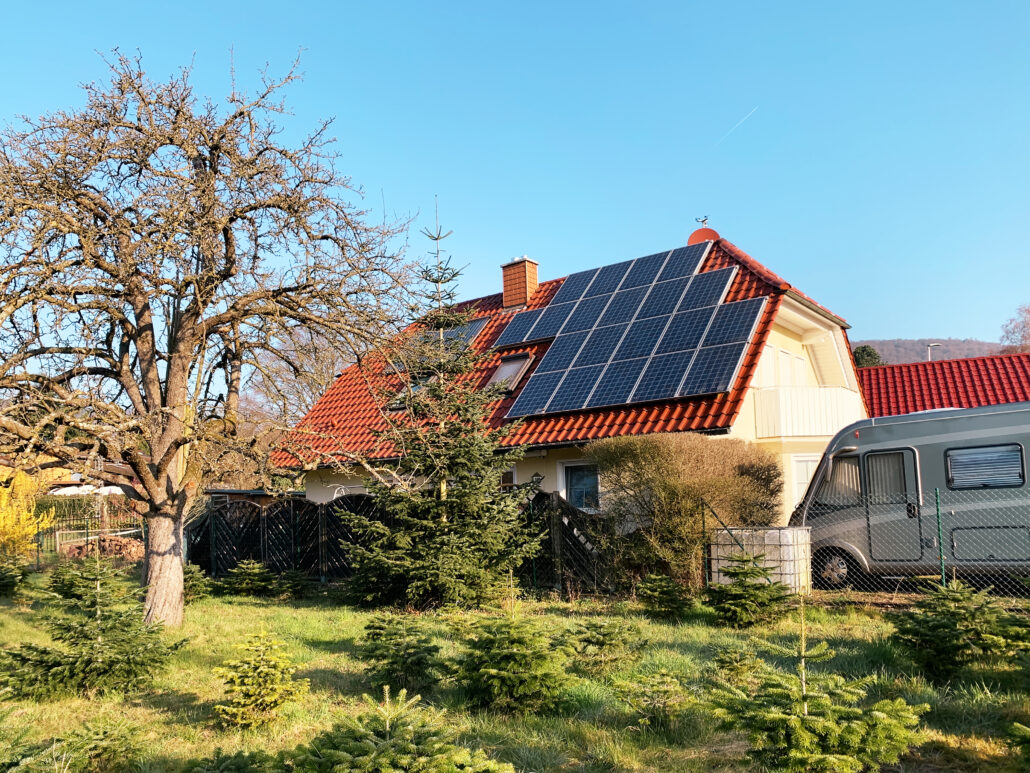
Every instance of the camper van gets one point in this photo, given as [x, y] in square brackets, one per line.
[872, 505]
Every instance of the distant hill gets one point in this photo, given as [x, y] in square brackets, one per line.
[895, 351]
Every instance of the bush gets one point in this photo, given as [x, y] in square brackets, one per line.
[259, 684]
[12, 572]
[104, 644]
[249, 578]
[663, 597]
[395, 736]
[1019, 741]
[510, 665]
[597, 646]
[400, 653]
[239, 762]
[195, 584]
[750, 597]
[104, 746]
[950, 627]
[658, 700]
[292, 584]
[20, 519]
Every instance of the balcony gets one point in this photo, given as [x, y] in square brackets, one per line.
[805, 411]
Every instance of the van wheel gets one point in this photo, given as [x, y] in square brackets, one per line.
[833, 568]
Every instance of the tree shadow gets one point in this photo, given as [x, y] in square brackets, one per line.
[341, 646]
[180, 703]
[331, 680]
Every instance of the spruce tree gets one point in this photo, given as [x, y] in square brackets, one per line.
[448, 535]
[259, 683]
[663, 597]
[102, 642]
[751, 597]
[808, 721]
[399, 653]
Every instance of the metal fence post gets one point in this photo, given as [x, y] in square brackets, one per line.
[940, 538]
[705, 560]
[211, 540]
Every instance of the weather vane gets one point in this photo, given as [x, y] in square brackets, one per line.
[702, 220]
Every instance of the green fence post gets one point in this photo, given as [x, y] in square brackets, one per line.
[940, 538]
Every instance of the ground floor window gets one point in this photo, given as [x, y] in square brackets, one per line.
[581, 486]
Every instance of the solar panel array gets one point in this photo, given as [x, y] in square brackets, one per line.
[636, 331]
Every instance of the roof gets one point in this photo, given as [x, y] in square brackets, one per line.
[892, 390]
[345, 420]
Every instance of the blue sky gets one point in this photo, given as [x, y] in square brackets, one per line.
[882, 168]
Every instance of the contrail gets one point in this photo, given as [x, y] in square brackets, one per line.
[736, 125]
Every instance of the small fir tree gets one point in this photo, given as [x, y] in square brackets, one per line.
[596, 647]
[103, 643]
[657, 700]
[663, 597]
[195, 584]
[449, 534]
[12, 572]
[950, 627]
[804, 722]
[1019, 741]
[249, 578]
[259, 683]
[738, 666]
[398, 652]
[751, 597]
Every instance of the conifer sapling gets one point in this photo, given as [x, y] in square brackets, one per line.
[751, 597]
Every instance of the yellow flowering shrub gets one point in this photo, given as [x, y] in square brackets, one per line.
[19, 521]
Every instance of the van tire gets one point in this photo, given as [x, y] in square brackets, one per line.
[834, 568]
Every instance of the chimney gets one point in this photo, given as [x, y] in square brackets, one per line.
[519, 281]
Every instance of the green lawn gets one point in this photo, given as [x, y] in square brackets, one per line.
[965, 728]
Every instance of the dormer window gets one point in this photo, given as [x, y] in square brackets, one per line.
[511, 370]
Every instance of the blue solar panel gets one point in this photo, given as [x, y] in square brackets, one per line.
[574, 390]
[708, 289]
[685, 331]
[663, 298]
[641, 338]
[562, 352]
[586, 314]
[573, 287]
[734, 322]
[608, 279]
[599, 347]
[662, 377]
[623, 307]
[617, 382]
[551, 321]
[535, 395]
[713, 370]
[684, 261]
[465, 333]
[644, 270]
[518, 328]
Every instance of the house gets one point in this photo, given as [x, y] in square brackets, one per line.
[700, 338]
[970, 382]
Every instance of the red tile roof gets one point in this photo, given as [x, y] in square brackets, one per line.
[344, 421]
[891, 390]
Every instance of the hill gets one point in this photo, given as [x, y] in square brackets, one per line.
[898, 350]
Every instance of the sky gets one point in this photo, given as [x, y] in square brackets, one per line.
[875, 155]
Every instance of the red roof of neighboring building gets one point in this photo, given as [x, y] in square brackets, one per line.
[345, 420]
[891, 390]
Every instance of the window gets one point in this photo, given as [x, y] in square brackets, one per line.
[581, 488]
[843, 488]
[886, 478]
[985, 467]
[508, 480]
[509, 373]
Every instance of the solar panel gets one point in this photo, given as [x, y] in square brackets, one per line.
[641, 338]
[686, 330]
[518, 328]
[608, 279]
[734, 322]
[586, 314]
[551, 321]
[599, 347]
[623, 307]
[644, 270]
[536, 394]
[573, 287]
[562, 352]
[617, 382]
[572, 394]
[662, 377]
[708, 289]
[683, 261]
[663, 298]
[713, 370]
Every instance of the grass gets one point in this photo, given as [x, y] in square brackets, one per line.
[965, 728]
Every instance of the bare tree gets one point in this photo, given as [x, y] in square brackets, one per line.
[1015, 334]
[152, 247]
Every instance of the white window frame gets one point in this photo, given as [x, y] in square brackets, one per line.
[562, 491]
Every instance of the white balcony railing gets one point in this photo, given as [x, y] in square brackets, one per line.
[803, 411]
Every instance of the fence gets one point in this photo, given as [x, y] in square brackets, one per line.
[78, 519]
[902, 541]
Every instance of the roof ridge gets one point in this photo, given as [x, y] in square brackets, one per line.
[925, 363]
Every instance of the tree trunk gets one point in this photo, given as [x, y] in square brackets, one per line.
[164, 569]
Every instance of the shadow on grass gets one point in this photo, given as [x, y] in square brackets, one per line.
[180, 704]
[331, 680]
[334, 646]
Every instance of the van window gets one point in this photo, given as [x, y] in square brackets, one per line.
[842, 489]
[886, 477]
[985, 467]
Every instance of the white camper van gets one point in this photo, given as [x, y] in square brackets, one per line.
[872, 505]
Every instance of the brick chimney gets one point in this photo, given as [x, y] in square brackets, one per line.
[519, 281]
